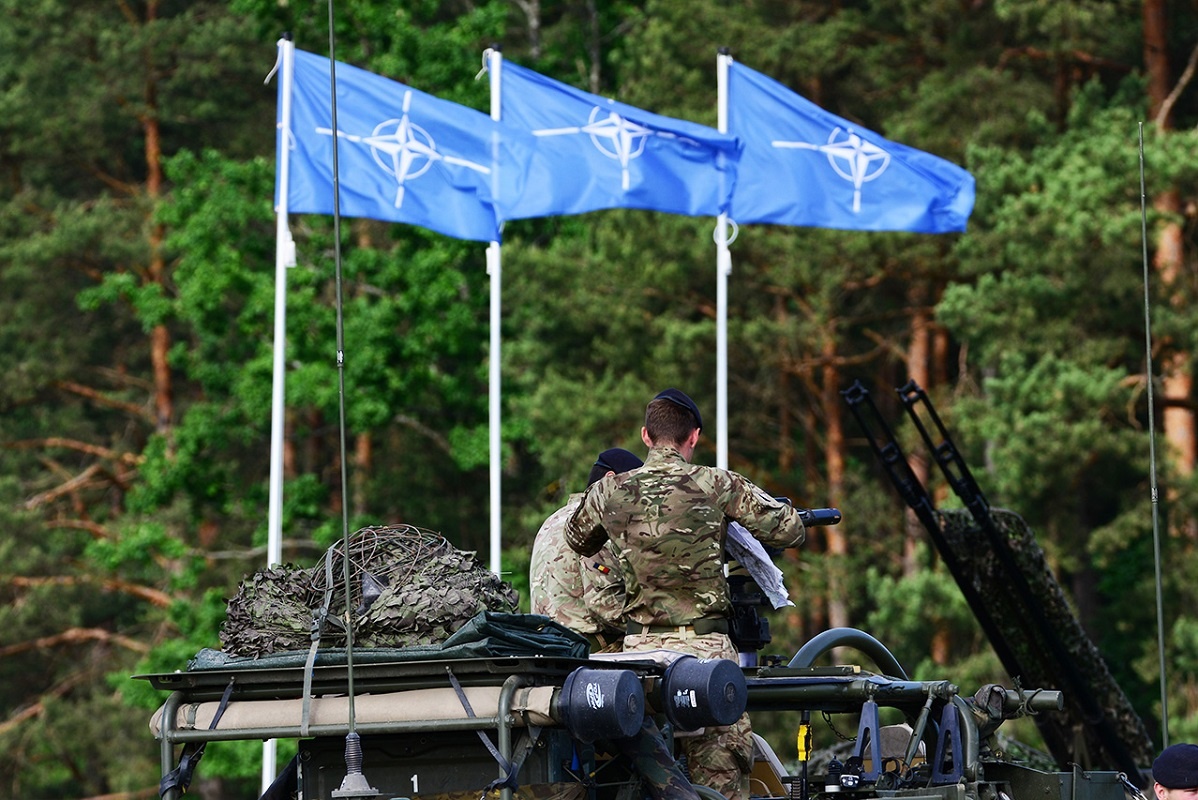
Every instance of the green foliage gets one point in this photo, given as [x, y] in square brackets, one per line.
[514, 566]
[914, 611]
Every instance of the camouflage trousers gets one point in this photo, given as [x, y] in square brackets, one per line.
[721, 758]
[662, 778]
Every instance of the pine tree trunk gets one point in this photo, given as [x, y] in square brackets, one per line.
[363, 461]
[1176, 376]
[838, 613]
[160, 337]
[918, 361]
[786, 445]
[532, 15]
[594, 46]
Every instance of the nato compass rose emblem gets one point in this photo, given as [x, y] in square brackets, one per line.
[614, 136]
[853, 158]
[403, 149]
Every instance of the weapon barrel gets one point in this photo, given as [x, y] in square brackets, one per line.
[838, 694]
[819, 516]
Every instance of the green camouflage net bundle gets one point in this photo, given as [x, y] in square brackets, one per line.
[272, 612]
[408, 587]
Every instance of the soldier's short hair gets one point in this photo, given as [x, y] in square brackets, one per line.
[668, 423]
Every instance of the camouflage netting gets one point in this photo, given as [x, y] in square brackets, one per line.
[271, 612]
[408, 587]
[1026, 605]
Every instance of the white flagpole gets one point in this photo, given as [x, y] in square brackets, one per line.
[284, 258]
[723, 269]
[494, 269]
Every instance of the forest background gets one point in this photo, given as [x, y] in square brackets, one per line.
[136, 290]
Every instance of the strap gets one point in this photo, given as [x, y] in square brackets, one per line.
[319, 619]
[527, 742]
[307, 702]
[504, 764]
[601, 641]
[180, 776]
[701, 627]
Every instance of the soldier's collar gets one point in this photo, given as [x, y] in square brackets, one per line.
[664, 452]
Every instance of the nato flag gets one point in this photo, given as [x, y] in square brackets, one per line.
[403, 155]
[594, 153]
[804, 166]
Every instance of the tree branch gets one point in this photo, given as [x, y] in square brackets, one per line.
[152, 596]
[101, 399]
[97, 530]
[36, 709]
[75, 636]
[255, 553]
[77, 482]
[1186, 76]
[78, 446]
[415, 424]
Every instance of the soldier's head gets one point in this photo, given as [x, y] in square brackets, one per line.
[1175, 773]
[615, 460]
[672, 419]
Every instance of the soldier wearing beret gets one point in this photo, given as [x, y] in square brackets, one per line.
[669, 521]
[1175, 773]
[584, 593]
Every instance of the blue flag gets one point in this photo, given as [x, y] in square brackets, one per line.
[804, 166]
[594, 153]
[403, 155]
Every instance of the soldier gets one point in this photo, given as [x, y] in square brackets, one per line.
[586, 594]
[1175, 773]
[669, 521]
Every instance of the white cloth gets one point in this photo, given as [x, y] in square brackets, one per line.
[750, 554]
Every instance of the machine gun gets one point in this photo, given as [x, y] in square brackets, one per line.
[748, 628]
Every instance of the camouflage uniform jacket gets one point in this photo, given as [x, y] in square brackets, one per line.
[668, 520]
[584, 593]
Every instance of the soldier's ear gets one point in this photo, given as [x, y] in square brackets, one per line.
[645, 437]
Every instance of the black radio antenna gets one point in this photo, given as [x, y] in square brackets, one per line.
[1156, 534]
[354, 784]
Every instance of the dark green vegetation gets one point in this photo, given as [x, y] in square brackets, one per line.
[136, 313]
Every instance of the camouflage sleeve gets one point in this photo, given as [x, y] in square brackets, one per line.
[584, 532]
[772, 522]
[603, 587]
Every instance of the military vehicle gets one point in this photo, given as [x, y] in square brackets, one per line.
[514, 705]
[537, 724]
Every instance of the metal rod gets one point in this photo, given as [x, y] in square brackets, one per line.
[184, 735]
[349, 628]
[1156, 535]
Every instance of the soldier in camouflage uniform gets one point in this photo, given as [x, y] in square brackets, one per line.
[669, 520]
[584, 593]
